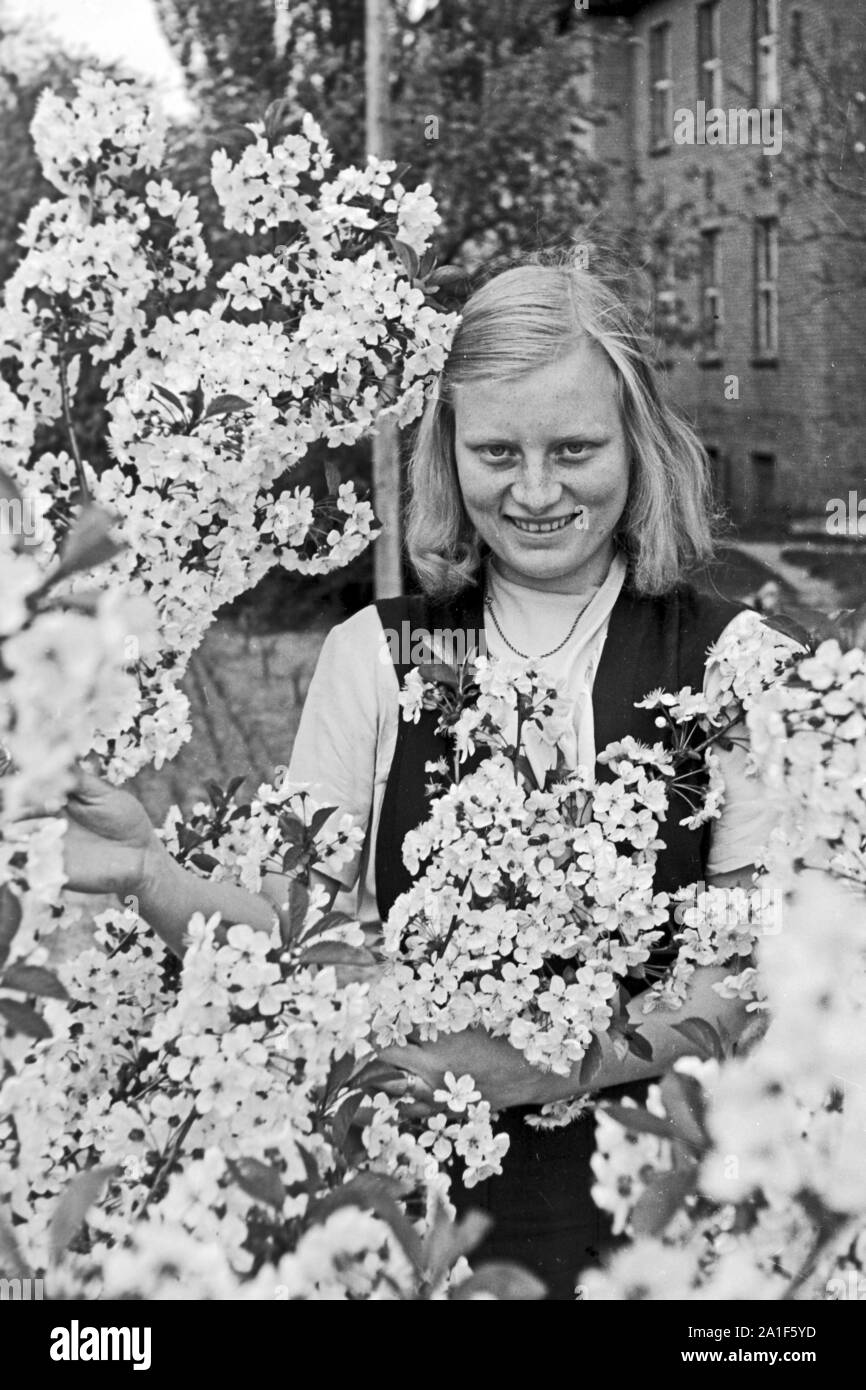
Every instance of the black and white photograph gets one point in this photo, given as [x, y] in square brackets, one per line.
[432, 666]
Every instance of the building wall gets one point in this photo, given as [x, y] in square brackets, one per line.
[807, 409]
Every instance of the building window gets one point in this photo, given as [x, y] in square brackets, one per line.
[711, 297]
[661, 87]
[766, 289]
[765, 497]
[709, 55]
[766, 17]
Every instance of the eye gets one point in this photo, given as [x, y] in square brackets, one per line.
[573, 449]
[495, 453]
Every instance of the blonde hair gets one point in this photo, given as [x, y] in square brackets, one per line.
[525, 318]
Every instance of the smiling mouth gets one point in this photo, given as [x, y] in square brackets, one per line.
[541, 528]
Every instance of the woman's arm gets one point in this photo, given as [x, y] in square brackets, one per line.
[168, 895]
[110, 846]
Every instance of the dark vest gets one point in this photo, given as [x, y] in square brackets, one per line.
[651, 642]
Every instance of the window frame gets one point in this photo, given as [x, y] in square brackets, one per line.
[712, 302]
[766, 290]
[708, 20]
[661, 87]
[765, 54]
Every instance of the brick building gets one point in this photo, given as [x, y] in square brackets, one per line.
[774, 375]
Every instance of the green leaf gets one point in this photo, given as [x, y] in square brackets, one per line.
[33, 979]
[73, 1205]
[375, 1192]
[506, 1282]
[685, 1106]
[311, 1168]
[592, 1062]
[407, 256]
[328, 923]
[23, 1019]
[10, 919]
[639, 1045]
[292, 918]
[703, 1036]
[639, 1121]
[336, 953]
[171, 398]
[88, 543]
[448, 277]
[447, 1241]
[259, 1181]
[333, 477]
[9, 489]
[204, 861]
[239, 135]
[320, 818]
[277, 112]
[233, 786]
[343, 1118]
[196, 404]
[293, 829]
[226, 405]
[340, 1072]
[216, 794]
[661, 1200]
[293, 857]
[437, 673]
[12, 1262]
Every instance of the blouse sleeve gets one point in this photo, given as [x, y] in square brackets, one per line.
[335, 751]
[748, 816]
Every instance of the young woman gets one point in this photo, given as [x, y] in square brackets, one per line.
[557, 503]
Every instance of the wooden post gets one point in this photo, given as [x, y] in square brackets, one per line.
[387, 482]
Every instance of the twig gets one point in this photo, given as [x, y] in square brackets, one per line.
[165, 1166]
[70, 428]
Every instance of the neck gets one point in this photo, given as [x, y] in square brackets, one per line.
[589, 576]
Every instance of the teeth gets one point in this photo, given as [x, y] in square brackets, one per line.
[539, 527]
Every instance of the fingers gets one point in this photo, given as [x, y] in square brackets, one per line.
[87, 784]
[413, 1088]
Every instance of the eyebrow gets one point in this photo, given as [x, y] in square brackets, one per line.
[593, 434]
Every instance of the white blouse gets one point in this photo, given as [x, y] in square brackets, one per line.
[348, 728]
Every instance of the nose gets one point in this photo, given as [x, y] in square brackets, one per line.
[536, 488]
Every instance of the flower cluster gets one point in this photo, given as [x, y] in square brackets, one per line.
[761, 1155]
[533, 902]
[217, 1128]
[809, 740]
[228, 1099]
[209, 408]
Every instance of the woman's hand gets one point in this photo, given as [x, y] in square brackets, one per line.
[501, 1073]
[109, 842]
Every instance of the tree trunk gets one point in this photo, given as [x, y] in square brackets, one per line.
[387, 550]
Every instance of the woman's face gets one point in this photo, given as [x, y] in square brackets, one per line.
[543, 468]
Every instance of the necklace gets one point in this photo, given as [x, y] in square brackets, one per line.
[542, 656]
